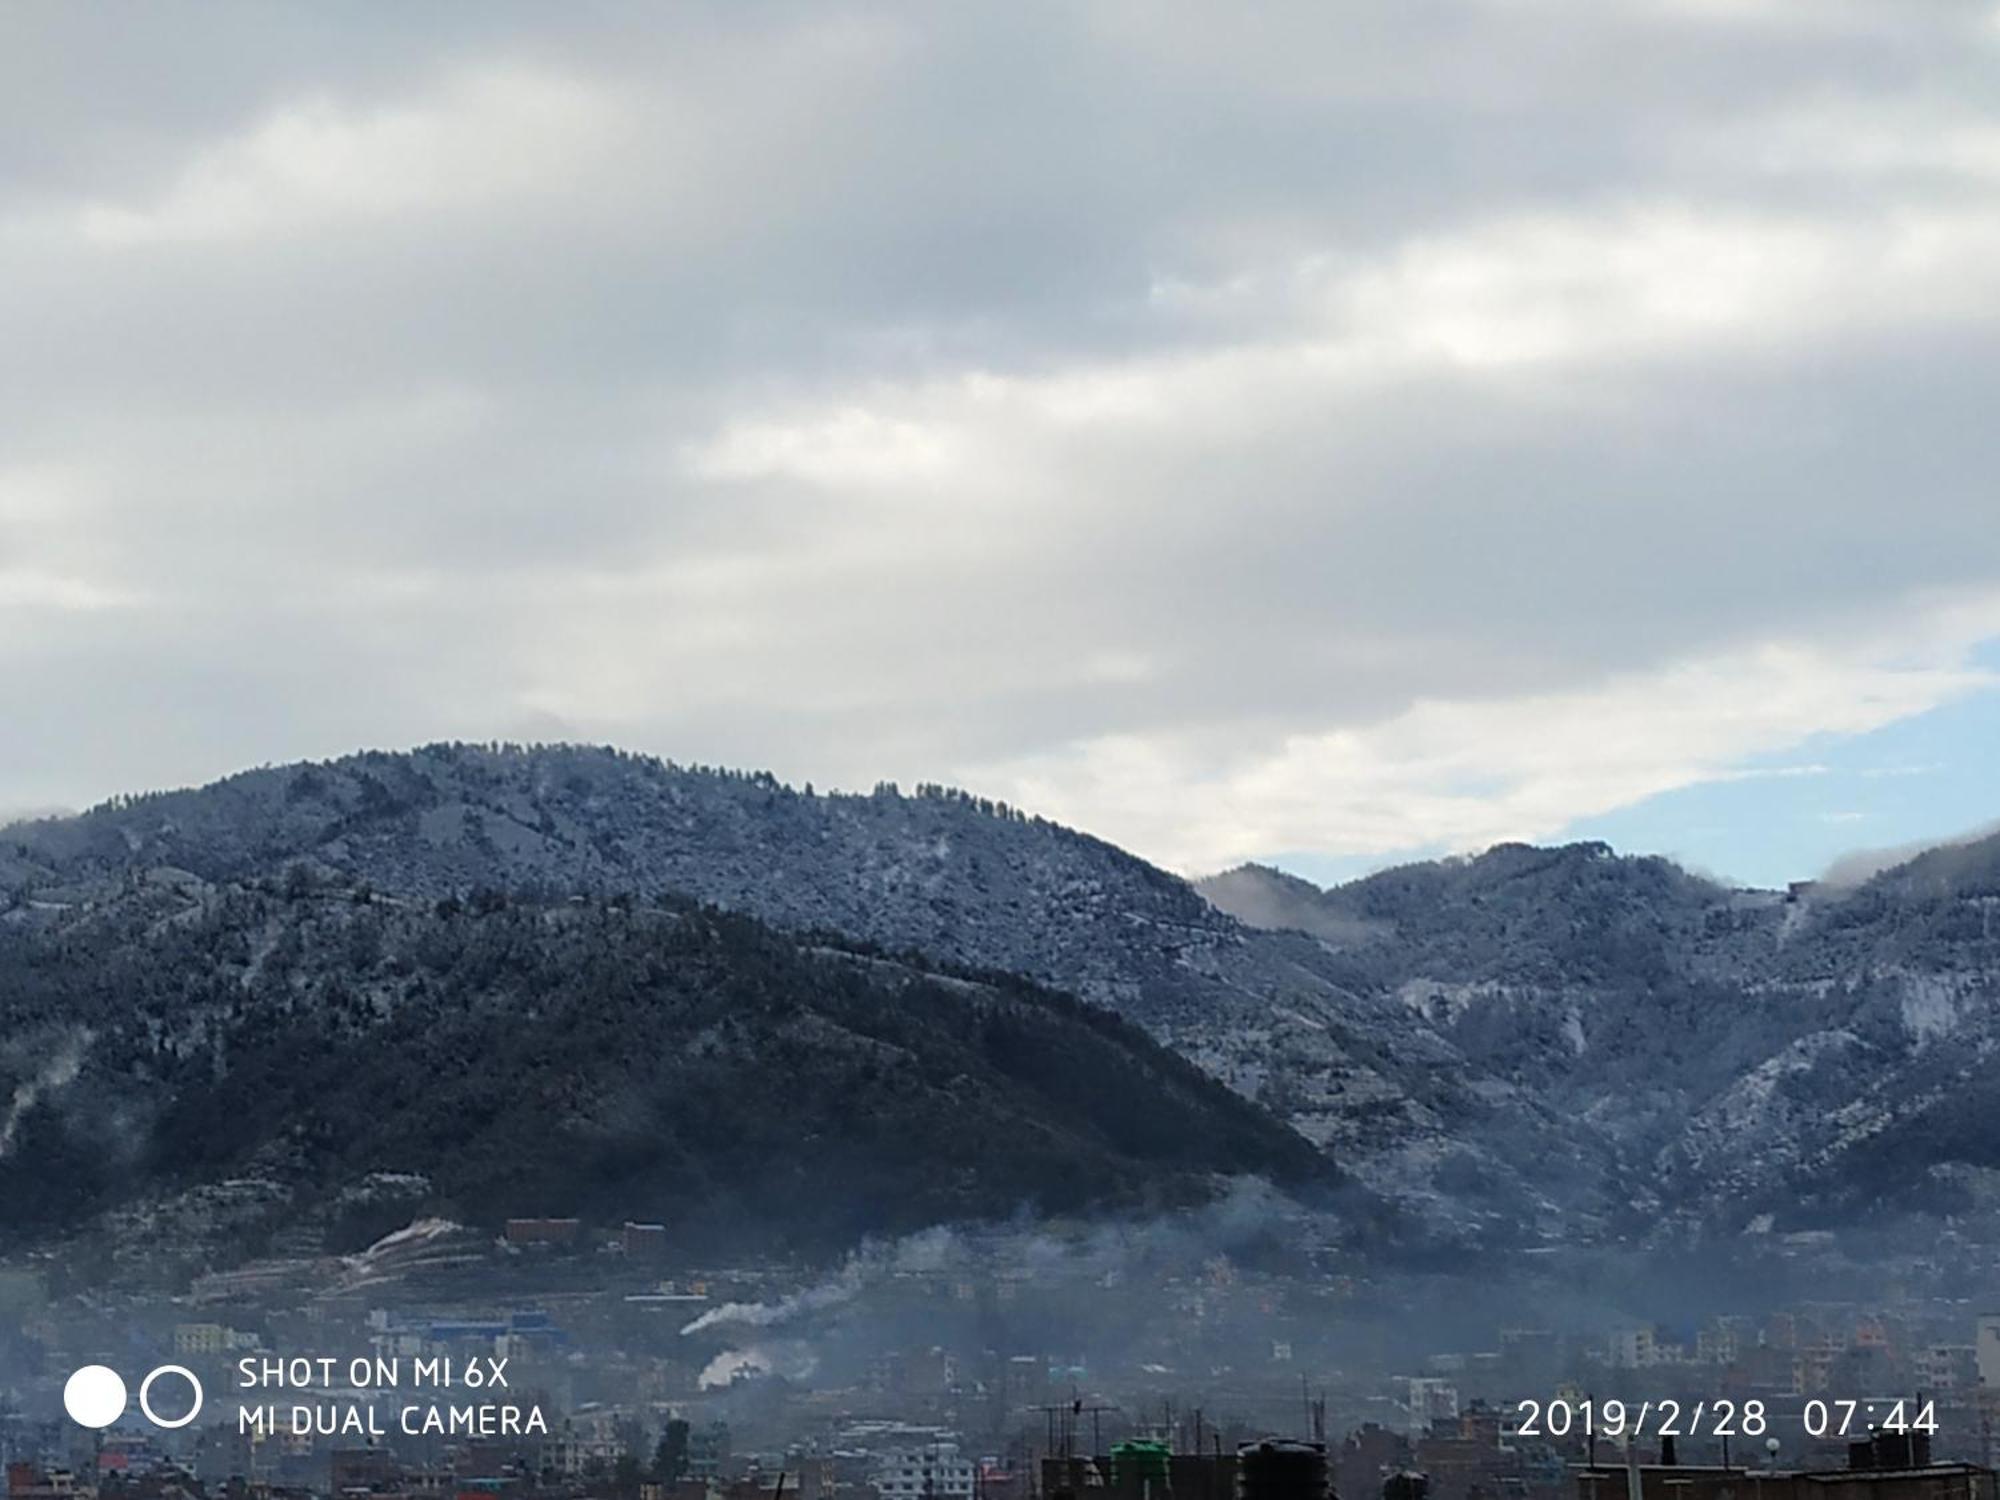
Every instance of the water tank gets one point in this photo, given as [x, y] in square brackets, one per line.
[1139, 1463]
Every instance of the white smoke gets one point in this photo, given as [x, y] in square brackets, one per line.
[790, 1360]
[1858, 866]
[1106, 1250]
[927, 1250]
[842, 1288]
[728, 1365]
[60, 1070]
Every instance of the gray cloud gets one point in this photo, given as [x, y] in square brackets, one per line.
[1059, 398]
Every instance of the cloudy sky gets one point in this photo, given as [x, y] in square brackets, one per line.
[1329, 432]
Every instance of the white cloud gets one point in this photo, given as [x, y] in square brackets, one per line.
[1878, 773]
[490, 133]
[1339, 427]
[1631, 284]
[852, 446]
[1469, 773]
[24, 589]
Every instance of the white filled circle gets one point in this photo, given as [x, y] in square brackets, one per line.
[94, 1396]
[146, 1386]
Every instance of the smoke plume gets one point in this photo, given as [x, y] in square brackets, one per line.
[60, 1069]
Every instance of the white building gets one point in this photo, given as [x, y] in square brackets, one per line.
[1430, 1400]
[1632, 1349]
[1987, 1346]
[934, 1471]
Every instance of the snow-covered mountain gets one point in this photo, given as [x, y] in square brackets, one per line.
[1749, 1058]
[1532, 1044]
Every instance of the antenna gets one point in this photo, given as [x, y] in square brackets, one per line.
[1077, 1409]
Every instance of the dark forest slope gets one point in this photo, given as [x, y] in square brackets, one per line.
[582, 1057]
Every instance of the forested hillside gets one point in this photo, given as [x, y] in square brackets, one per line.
[1529, 1046]
[583, 1057]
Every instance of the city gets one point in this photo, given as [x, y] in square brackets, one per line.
[965, 1367]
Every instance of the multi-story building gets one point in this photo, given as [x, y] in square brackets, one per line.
[202, 1340]
[1986, 1346]
[1632, 1349]
[1430, 1401]
[934, 1471]
[1946, 1368]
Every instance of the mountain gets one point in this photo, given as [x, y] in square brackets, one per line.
[1275, 1015]
[1751, 1059]
[311, 1054]
[1529, 1046]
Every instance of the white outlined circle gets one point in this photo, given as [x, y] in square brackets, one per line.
[146, 1386]
[94, 1396]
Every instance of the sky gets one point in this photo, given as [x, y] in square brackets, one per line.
[1322, 433]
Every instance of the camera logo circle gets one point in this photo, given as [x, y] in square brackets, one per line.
[95, 1396]
[146, 1389]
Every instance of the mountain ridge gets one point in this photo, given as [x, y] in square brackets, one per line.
[1522, 1046]
[506, 1057]
[966, 881]
[1809, 1055]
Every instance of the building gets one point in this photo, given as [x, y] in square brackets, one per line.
[1723, 1341]
[1890, 1467]
[643, 1241]
[1632, 1349]
[708, 1451]
[26, 1482]
[362, 1470]
[1986, 1344]
[1370, 1454]
[1190, 1476]
[543, 1231]
[1947, 1368]
[1430, 1401]
[206, 1340]
[937, 1470]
